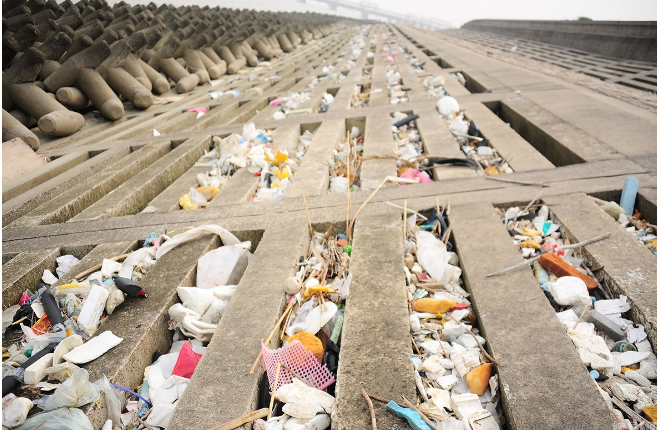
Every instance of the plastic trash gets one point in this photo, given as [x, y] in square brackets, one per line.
[48, 277]
[129, 287]
[447, 106]
[569, 290]
[187, 361]
[190, 323]
[93, 308]
[433, 256]
[58, 419]
[628, 194]
[76, 391]
[222, 266]
[318, 422]
[93, 349]
[64, 264]
[113, 402]
[302, 401]
[227, 238]
[413, 418]
[296, 357]
[16, 413]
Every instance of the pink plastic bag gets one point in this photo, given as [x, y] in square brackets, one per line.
[187, 361]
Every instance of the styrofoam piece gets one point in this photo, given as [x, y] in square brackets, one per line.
[630, 357]
[94, 348]
[465, 405]
[569, 290]
[318, 422]
[447, 105]
[16, 413]
[92, 309]
[303, 401]
[482, 420]
[36, 371]
[65, 347]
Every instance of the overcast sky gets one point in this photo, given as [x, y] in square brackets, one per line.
[457, 12]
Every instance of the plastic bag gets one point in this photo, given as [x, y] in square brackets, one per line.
[76, 391]
[8, 316]
[64, 418]
[64, 264]
[222, 266]
[227, 238]
[61, 371]
[187, 361]
[112, 401]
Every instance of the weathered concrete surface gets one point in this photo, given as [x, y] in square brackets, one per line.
[540, 373]
[376, 334]
[622, 39]
[253, 311]
[126, 165]
[628, 267]
[24, 272]
[18, 159]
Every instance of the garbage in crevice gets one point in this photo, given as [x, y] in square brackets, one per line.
[470, 139]
[252, 148]
[614, 348]
[397, 93]
[277, 175]
[289, 105]
[301, 374]
[346, 61]
[344, 167]
[644, 231]
[325, 104]
[360, 97]
[409, 148]
[454, 373]
[58, 325]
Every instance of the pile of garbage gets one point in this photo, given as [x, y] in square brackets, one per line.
[344, 167]
[409, 148]
[616, 351]
[644, 231]
[301, 374]
[58, 325]
[290, 105]
[482, 156]
[453, 372]
[396, 90]
[327, 101]
[277, 175]
[252, 148]
[360, 96]
[346, 61]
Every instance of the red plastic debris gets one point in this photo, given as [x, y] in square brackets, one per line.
[187, 361]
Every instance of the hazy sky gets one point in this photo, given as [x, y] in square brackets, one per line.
[459, 12]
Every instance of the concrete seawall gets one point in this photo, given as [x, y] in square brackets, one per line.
[620, 39]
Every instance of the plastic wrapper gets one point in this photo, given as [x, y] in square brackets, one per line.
[113, 402]
[64, 418]
[227, 238]
[76, 391]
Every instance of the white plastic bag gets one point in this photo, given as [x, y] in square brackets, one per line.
[222, 266]
[63, 418]
[227, 238]
[433, 256]
[76, 391]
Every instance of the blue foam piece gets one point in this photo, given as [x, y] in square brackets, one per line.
[413, 418]
[628, 196]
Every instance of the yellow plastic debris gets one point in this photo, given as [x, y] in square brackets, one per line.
[531, 232]
[434, 306]
[65, 286]
[185, 202]
[530, 244]
[280, 157]
[208, 192]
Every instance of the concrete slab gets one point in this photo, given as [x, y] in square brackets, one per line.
[543, 382]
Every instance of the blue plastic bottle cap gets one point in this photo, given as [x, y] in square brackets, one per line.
[594, 374]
